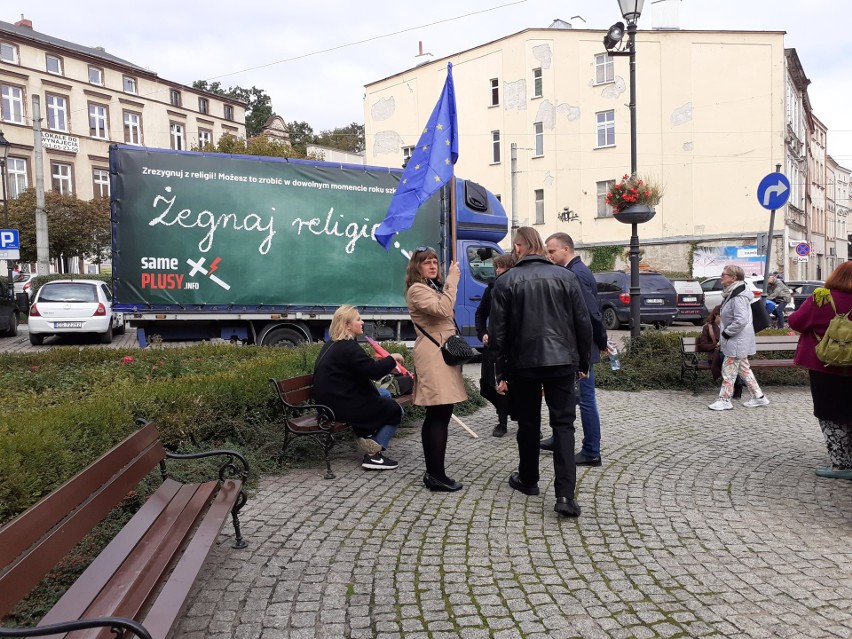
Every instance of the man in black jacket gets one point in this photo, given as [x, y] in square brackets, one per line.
[560, 250]
[541, 336]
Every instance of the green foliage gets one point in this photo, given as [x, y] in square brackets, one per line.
[77, 228]
[603, 257]
[258, 103]
[349, 138]
[260, 145]
[652, 361]
[301, 135]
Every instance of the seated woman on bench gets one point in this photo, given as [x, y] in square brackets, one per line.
[342, 381]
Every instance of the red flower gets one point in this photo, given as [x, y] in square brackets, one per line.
[128, 360]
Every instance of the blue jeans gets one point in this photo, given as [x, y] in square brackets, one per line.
[779, 314]
[589, 416]
[386, 432]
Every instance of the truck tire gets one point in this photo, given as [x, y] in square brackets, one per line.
[283, 337]
[610, 319]
[121, 329]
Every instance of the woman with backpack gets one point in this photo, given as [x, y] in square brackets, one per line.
[831, 385]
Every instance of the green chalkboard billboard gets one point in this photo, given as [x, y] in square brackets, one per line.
[198, 230]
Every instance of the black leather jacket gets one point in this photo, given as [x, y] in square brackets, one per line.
[539, 318]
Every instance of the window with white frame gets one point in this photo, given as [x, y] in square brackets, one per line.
[13, 103]
[538, 128]
[495, 147]
[174, 97]
[205, 137]
[132, 127]
[229, 112]
[8, 52]
[539, 206]
[538, 86]
[53, 64]
[98, 125]
[176, 133]
[57, 112]
[60, 174]
[604, 209]
[18, 181]
[203, 105]
[604, 69]
[100, 182]
[407, 152]
[96, 76]
[495, 91]
[605, 122]
[128, 83]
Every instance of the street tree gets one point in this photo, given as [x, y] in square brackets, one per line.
[258, 103]
[349, 138]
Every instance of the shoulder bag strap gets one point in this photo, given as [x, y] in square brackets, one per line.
[432, 339]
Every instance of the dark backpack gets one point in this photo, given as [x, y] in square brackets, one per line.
[835, 346]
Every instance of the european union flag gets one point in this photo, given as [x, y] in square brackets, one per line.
[429, 167]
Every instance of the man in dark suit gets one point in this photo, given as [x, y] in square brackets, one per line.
[560, 250]
[541, 337]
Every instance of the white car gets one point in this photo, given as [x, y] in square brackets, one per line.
[23, 284]
[63, 307]
[712, 288]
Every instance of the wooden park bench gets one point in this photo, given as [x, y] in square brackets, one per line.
[303, 417]
[141, 579]
[694, 360]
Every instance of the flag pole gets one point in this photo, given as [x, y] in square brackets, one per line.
[453, 218]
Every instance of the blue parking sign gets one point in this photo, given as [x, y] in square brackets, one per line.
[773, 191]
[9, 239]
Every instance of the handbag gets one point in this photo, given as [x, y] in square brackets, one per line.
[397, 384]
[455, 351]
[759, 316]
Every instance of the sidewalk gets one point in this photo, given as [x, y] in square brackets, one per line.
[698, 524]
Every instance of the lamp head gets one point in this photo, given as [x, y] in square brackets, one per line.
[631, 9]
[613, 36]
[4, 147]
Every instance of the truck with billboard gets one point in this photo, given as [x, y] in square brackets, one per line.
[263, 250]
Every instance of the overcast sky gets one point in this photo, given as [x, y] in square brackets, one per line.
[314, 58]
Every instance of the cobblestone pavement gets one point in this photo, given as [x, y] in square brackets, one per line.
[697, 524]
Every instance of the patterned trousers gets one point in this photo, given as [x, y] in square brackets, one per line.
[733, 366]
[838, 441]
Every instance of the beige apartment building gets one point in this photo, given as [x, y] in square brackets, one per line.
[544, 122]
[90, 99]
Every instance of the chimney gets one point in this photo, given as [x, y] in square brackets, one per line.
[665, 14]
[421, 57]
[23, 22]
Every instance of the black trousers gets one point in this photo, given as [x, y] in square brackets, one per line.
[525, 397]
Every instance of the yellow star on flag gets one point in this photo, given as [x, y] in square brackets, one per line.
[437, 178]
[446, 160]
[425, 147]
[416, 166]
[440, 127]
[447, 142]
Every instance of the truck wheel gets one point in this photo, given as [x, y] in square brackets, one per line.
[284, 337]
[610, 319]
[120, 329]
[36, 340]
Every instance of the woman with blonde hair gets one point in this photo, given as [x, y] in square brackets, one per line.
[437, 386]
[343, 375]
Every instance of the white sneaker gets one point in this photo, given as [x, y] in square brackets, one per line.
[756, 401]
[721, 404]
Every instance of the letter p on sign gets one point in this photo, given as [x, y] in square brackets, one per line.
[8, 239]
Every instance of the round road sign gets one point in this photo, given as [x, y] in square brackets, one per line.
[803, 249]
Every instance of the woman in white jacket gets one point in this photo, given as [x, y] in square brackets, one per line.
[737, 340]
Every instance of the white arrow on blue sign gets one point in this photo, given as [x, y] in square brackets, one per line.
[773, 191]
[9, 239]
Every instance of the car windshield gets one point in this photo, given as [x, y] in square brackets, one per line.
[68, 292]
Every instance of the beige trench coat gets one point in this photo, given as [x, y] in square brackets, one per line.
[434, 382]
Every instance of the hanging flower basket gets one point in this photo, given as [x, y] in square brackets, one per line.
[636, 214]
[633, 199]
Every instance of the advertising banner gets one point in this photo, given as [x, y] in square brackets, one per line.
[708, 261]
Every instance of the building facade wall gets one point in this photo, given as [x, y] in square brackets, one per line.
[708, 135]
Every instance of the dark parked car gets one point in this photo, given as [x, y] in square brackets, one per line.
[8, 312]
[802, 290]
[658, 305]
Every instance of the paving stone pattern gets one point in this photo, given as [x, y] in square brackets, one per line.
[699, 524]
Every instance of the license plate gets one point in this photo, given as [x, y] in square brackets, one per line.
[68, 325]
[654, 300]
[690, 298]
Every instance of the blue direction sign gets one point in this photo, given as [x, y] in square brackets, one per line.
[9, 239]
[773, 191]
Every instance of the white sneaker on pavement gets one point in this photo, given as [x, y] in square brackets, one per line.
[721, 404]
[756, 401]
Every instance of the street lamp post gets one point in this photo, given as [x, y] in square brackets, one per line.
[631, 10]
[4, 153]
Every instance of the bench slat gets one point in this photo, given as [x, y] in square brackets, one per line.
[169, 602]
[42, 556]
[36, 521]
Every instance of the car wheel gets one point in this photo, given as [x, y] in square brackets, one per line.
[36, 340]
[106, 338]
[13, 326]
[610, 319]
[286, 337]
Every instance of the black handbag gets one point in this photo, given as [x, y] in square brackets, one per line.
[455, 351]
[397, 384]
[759, 315]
